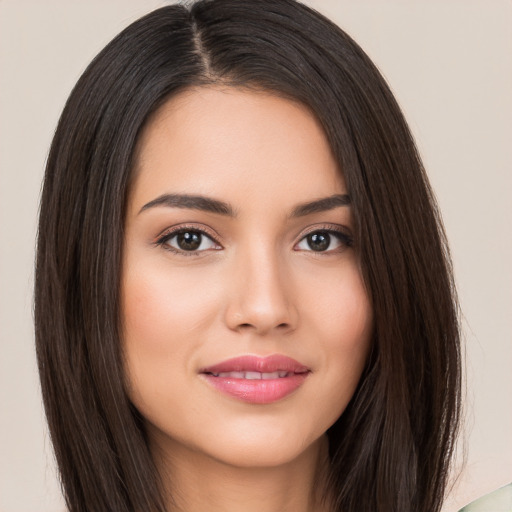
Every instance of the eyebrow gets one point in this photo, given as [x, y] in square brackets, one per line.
[208, 204]
[321, 205]
[193, 202]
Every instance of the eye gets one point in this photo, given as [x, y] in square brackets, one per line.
[186, 240]
[324, 241]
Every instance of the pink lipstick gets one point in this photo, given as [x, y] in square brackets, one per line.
[257, 380]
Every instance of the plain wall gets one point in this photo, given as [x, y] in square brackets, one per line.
[449, 64]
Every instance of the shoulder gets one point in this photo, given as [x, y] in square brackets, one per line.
[497, 501]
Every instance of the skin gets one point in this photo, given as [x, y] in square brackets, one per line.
[254, 287]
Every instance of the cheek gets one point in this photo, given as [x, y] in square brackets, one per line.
[160, 322]
[340, 311]
[342, 322]
[350, 320]
[161, 305]
[351, 325]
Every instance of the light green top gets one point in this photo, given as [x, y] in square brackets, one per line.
[497, 501]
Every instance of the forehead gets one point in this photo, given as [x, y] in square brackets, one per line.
[233, 144]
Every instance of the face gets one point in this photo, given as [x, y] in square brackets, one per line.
[246, 322]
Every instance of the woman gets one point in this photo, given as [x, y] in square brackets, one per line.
[243, 292]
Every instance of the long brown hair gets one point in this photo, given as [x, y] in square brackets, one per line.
[390, 450]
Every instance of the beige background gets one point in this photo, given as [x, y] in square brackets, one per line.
[449, 64]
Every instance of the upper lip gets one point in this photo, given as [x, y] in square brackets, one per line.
[251, 363]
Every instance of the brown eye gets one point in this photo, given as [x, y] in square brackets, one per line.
[319, 241]
[189, 240]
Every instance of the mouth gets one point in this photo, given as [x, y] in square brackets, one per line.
[257, 380]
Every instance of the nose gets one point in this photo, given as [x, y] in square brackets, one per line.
[261, 298]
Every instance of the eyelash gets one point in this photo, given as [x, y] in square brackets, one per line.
[345, 239]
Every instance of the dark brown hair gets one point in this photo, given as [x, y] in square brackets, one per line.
[390, 450]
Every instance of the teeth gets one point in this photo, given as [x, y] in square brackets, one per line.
[253, 375]
[270, 375]
[233, 375]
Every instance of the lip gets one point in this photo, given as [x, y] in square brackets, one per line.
[266, 390]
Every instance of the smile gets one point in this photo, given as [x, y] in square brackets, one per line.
[257, 380]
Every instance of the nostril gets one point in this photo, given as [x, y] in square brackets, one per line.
[247, 325]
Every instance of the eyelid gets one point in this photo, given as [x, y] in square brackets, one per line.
[331, 228]
[192, 227]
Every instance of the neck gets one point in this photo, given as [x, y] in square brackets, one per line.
[195, 482]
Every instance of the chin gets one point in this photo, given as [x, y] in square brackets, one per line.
[259, 442]
[260, 453]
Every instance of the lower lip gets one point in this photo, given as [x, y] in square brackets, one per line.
[257, 391]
